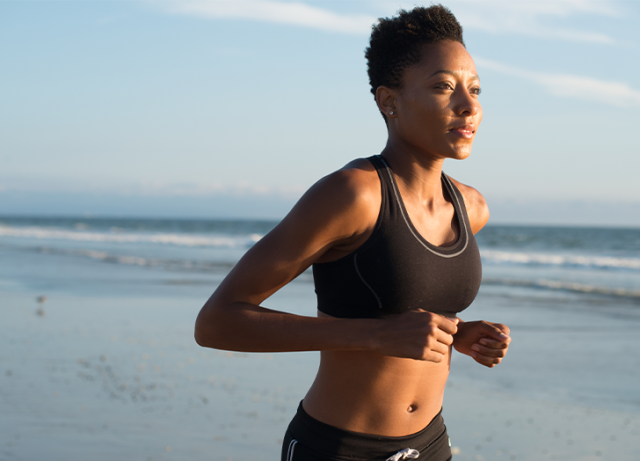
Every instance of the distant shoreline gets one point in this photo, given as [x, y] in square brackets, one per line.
[272, 221]
[274, 206]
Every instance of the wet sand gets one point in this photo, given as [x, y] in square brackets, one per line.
[120, 377]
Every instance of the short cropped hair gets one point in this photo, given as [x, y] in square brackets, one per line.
[396, 43]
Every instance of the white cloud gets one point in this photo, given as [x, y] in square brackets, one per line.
[293, 13]
[529, 18]
[509, 17]
[572, 86]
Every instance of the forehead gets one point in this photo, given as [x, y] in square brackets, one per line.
[449, 56]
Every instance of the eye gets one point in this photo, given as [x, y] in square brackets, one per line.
[475, 90]
[444, 86]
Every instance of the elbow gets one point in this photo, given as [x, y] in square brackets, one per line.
[207, 329]
[199, 336]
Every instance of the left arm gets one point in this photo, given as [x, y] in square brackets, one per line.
[487, 343]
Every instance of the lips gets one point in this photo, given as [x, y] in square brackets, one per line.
[464, 131]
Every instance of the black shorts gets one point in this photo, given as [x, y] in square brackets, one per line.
[308, 439]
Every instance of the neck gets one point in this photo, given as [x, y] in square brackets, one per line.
[419, 173]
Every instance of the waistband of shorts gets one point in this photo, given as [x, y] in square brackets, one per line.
[325, 438]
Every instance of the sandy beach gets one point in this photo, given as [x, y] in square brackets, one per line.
[98, 360]
[113, 377]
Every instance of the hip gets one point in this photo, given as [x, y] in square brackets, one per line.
[311, 440]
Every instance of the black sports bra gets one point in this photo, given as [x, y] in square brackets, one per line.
[396, 270]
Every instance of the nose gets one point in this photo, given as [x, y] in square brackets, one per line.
[466, 103]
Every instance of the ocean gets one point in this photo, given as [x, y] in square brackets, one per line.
[597, 261]
[98, 359]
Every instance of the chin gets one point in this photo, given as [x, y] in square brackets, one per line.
[461, 154]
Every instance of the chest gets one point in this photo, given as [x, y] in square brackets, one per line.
[404, 273]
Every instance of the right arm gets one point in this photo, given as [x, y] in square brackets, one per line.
[334, 217]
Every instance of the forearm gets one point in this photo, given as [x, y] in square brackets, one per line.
[246, 327]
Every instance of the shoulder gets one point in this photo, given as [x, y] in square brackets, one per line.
[329, 217]
[354, 188]
[354, 184]
[341, 207]
[476, 205]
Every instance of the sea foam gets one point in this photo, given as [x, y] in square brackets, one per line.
[599, 262]
[117, 236]
[564, 286]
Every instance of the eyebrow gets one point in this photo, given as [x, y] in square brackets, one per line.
[450, 72]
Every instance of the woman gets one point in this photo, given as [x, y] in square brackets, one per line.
[394, 259]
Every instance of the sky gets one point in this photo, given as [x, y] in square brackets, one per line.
[233, 108]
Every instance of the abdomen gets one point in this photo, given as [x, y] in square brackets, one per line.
[370, 393]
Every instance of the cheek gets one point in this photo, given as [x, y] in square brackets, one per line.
[433, 118]
[423, 106]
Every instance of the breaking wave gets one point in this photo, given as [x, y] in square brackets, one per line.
[589, 262]
[565, 286]
[116, 236]
[173, 264]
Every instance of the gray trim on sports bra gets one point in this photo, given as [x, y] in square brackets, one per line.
[461, 222]
[355, 263]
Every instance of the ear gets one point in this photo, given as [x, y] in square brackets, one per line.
[386, 99]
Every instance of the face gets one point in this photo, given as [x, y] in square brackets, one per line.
[437, 109]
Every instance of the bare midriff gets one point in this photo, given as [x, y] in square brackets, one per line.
[370, 393]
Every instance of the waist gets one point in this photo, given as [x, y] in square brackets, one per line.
[337, 442]
[375, 394]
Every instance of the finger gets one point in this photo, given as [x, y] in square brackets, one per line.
[431, 356]
[489, 362]
[433, 349]
[505, 329]
[447, 325]
[489, 352]
[445, 341]
[493, 343]
[440, 348]
[442, 337]
[438, 340]
[493, 331]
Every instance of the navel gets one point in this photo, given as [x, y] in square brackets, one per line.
[412, 408]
